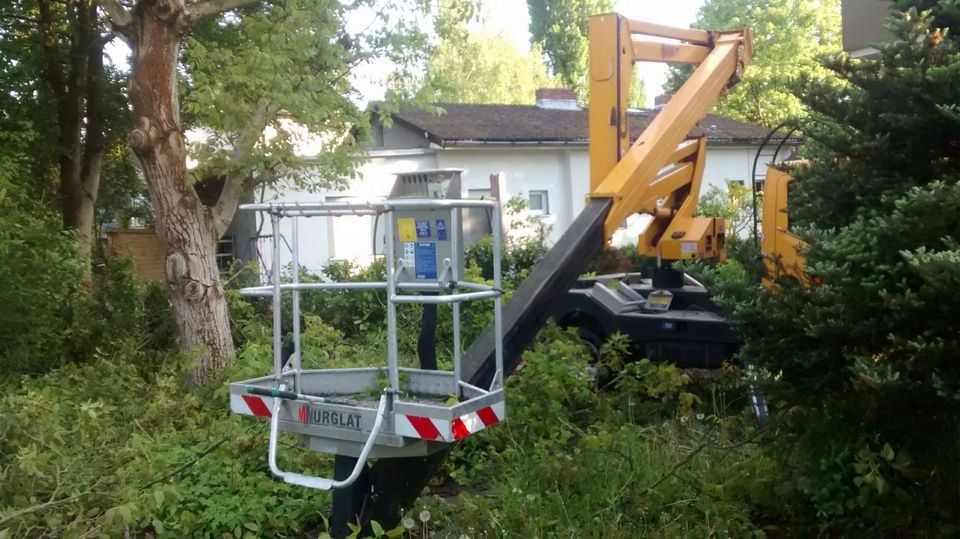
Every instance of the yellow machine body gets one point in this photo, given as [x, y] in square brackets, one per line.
[781, 247]
[660, 174]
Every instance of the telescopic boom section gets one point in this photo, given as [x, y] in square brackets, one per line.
[660, 173]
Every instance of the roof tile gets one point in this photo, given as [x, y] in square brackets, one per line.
[529, 123]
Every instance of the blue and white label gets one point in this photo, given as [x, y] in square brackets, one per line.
[423, 229]
[441, 230]
[425, 254]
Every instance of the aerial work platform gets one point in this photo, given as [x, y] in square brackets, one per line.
[390, 411]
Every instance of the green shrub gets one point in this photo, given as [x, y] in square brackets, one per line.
[644, 457]
[120, 314]
[516, 260]
[42, 280]
[91, 450]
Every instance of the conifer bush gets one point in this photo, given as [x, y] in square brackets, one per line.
[863, 378]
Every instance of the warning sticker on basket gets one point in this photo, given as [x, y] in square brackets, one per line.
[426, 260]
[407, 229]
[423, 229]
[441, 230]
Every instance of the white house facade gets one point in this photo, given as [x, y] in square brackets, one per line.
[538, 153]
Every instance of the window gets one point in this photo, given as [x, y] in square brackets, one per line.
[539, 203]
[225, 255]
[759, 179]
[478, 193]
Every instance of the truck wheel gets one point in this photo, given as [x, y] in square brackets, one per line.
[593, 341]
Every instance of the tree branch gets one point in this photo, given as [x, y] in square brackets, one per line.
[212, 7]
[119, 17]
[234, 186]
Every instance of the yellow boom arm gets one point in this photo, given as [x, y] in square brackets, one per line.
[660, 173]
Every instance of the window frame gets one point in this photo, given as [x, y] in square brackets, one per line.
[544, 200]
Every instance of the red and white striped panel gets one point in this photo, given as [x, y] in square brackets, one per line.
[428, 428]
[251, 405]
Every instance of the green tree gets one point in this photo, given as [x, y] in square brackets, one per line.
[255, 77]
[864, 383]
[561, 29]
[483, 68]
[638, 93]
[63, 108]
[733, 205]
[788, 38]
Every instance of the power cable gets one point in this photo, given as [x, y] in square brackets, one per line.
[196, 459]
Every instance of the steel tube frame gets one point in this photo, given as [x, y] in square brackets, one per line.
[263, 291]
[321, 483]
[392, 361]
[498, 300]
[295, 259]
[363, 207]
[446, 299]
[472, 291]
[454, 247]
[277, 319]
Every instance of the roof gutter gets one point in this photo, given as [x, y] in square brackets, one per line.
[582, 143]
[501, 143]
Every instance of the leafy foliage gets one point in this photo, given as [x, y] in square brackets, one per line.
[561, 28]
[638, 93]
[284, 67]
[482, 67]
[632, 460]
[735, 206]
[53, 99]
[788, 38]
[881, 127]
[41, 272]
[90, 450]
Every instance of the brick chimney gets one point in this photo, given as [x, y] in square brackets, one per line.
[661, 101]
[557, 98]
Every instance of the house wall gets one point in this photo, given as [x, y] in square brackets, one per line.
[863, 25]
[524, 170]
[144, 248]
[561, 171]
[398, 137]
[341, 238]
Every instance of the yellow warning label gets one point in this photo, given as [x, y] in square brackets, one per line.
[408, 229]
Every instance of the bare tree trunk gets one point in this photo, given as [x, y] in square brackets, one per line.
[189, 229]
[84, 199]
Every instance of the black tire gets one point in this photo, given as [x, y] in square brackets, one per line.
[592, 340]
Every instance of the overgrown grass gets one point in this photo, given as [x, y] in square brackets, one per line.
[647, 456]
[92, 450]
[117, 444]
